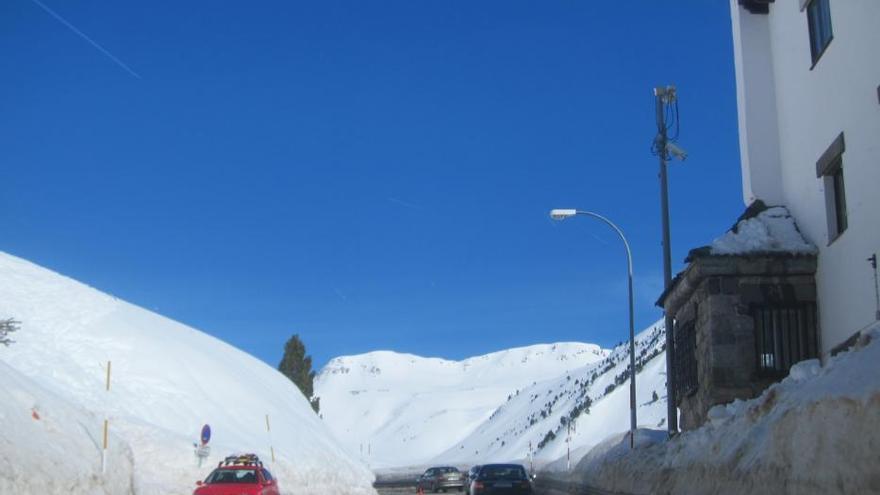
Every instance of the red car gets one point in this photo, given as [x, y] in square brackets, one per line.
[238, 475]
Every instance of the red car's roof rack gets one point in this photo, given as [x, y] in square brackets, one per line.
[241, 460]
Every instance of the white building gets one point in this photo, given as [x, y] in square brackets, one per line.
[808, 91]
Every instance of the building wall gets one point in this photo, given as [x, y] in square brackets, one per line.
[808, 107]
[756, 97]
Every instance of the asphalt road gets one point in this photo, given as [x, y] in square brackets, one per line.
[543, 487]
[408, 490]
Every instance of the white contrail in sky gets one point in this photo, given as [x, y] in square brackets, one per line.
[340, 294]
[85, 37]
[403, 203]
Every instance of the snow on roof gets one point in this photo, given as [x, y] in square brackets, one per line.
[770, 231]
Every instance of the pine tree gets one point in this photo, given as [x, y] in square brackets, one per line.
[297, 366]
[7, 326]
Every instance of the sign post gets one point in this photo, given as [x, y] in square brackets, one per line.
[203, 450]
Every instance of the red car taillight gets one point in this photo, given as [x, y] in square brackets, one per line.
[478, 486]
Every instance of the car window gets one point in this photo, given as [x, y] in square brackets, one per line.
[502, 472]
[267, 475]
[232, 476]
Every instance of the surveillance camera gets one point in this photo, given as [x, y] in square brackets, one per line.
[675, 151]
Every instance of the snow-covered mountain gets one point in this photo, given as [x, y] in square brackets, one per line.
[167, 381]
[398, 410]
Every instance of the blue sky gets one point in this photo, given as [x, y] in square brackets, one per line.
[370, 175]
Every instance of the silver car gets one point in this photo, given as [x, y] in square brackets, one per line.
[441, 478]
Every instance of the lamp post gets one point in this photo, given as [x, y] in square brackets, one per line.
[562, 214]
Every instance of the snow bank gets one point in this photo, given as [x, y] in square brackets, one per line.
[817, 431]
[617, 446]
[771, 231]
[50, 446]
[167, 381]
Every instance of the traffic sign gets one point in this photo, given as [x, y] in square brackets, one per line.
[206, 434]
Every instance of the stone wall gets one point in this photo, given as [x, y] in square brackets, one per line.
[717, 295]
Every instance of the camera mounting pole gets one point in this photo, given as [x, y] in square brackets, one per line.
[663, 97]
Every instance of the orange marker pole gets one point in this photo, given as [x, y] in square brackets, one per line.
[106, 427]
[269, 431]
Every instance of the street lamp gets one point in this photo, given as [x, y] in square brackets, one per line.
[562, 214]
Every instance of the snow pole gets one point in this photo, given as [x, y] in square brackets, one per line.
[104, 450]
[269, 431]
[571, 429]
[106, 426]
[531, 459]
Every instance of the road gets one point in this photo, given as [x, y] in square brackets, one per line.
[407, 490]
[542, 487]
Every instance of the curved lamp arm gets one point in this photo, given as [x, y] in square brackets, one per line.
[562, 214]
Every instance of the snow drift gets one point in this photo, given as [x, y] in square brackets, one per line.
[167, 380]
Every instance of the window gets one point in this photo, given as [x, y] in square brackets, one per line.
[232, 476]
[836, 179]
[784, 335]
[830, 169]
[685, 364]
[503, 472]
[819, 22]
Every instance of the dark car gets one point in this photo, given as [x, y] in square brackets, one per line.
[507, 479]
[441, 478]
[470, 477]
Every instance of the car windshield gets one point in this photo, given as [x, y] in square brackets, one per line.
[502, 472]
[232, 476]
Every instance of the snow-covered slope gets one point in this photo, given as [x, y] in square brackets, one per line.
[398, 410]
[593, 398]
[167, 380]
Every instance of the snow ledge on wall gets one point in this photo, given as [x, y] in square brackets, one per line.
[773, 230]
